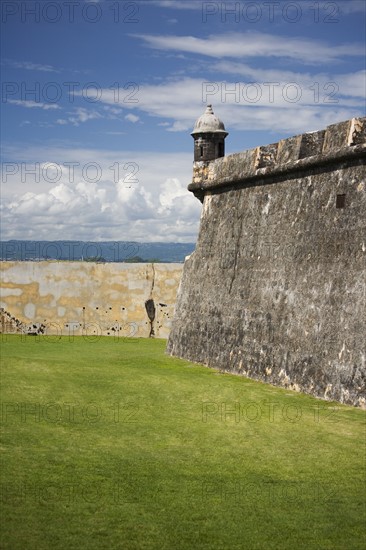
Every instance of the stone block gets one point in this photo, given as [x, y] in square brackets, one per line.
[358, 131]
[311, 144]
[336, 136]
[267, 155]
[288, 150]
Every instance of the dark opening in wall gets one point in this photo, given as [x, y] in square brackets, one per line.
[150, 310]
[201, 151]
[341, 201]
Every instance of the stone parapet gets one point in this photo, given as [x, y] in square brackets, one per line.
[338, 143]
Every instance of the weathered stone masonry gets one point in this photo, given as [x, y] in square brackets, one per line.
[276, 287]
[86, 298]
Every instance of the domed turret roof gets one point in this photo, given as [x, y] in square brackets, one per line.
[209, 123]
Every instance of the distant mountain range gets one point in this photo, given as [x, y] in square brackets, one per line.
[109, 251]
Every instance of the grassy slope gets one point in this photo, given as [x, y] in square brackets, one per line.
[111, 444]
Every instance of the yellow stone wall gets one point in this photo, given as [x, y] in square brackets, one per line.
[89, 298]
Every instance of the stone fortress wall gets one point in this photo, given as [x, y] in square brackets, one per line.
[276, 288]
[86, 298]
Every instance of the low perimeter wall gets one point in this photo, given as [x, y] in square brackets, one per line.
[115, 299]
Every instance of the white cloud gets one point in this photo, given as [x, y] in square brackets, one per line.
[33, 104]
[78, 116]
[154, 207]
[113, 110]
[169, 100]
[82, 115]
[255, 44]
[29, 66]
[316, 104]
[132, 118]
[175, 4]
[347, 85]
[171, 191]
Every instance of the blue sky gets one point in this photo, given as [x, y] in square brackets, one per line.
[99, 99]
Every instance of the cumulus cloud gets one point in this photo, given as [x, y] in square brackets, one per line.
[99, 195]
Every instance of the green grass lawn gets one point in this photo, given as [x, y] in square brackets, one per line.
[111, 444]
